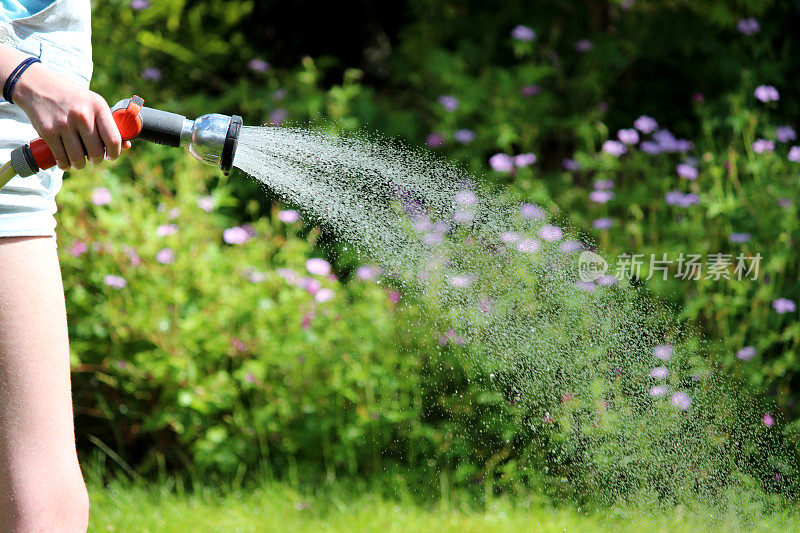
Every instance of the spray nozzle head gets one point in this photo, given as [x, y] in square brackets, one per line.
[211, 138]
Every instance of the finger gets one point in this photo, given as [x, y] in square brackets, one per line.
[74, 147]
[91, 141]
[59, 153]
[126, 145]
[109, 133]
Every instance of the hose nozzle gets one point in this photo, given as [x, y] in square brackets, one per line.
[211, 138]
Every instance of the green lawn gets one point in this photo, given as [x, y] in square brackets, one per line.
[277, 507]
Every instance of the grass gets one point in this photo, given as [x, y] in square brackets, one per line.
[122, 506]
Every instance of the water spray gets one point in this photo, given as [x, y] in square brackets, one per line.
[211, 138]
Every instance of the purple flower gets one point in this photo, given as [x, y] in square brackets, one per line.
[601, 197]
[528, 245]
[502, 162]
[311, 285]
[681, 400]
[530, 90]
[766, 93]
[606, 281]
[288, 216]
[165, 256]
[448, 102]
[461, 216]
[584, 45]
[784, 305]
[289, 275]
[746, 353]
[151, 74]
[663, 352]
[435, 140]
[235, 235]
[101, 196]
[324, 295]
[173, 213]
[132, 255]
[523, 33]
[259, 65]
[614, 148]
[687, 172]
[524, 160]
[464, 136]
[531, 212]
[748, 26]
[78, 248]
[255, 276]
[629, 136]
[279, 94]
[550, 233]
[794, 154]
[785, 203]
[658, 391]
[206, 203]
[603, 223]
[768, 420]
[659, 372]
[115, 282]
[318, 267]
[645, 124]
[165, 230]
[140, 4]
[603, 184]
[278, 116]
[689, 200]
[365, 273]
[785, 134]
[761, 146]
[509, 237]
[571, 246]
[673, 197]
[571, 165]
[466, 198]
[649, 147]
[395, 296]
[739, 237]
[585, 286]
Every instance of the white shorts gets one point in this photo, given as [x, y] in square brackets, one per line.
[60, 36]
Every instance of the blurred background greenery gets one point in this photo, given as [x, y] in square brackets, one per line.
[196, 352]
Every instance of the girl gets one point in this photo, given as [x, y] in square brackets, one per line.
[41, 486]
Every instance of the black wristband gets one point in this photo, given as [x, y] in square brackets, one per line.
[12, 80]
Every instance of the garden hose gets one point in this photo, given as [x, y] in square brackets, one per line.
[211, 138]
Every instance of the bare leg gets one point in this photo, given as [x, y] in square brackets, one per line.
[41, 486]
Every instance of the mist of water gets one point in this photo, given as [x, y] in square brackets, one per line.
[623, 401]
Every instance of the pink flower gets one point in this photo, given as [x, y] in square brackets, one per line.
[550, 233]
[259, 65]
[115, 282]
[289, 275]
[394, 296]
[659, 372]
[761, 146]
[324, 295]
[663, 352]
[794, 154]
[531, 212]
[165, 230]
[614, 148]
[524, 160]
[784, 305]
[658, 391]
[502, 163]
[311, 285]
[288, 216]
[140, 4]
[681, 400]
[238, 345]
[206, 203]
[318, 267]
[174, 213]
[687, 172]
[570, 247]
[368, 272]
[461, 281]
[435, 140]
[768, 420]
[746, 353]
[530, 90]
[630, 136]
[767, 93]
[528, 245]
[235, 235]
[645, 124]
[509, 237]
[307, 318]
[165, 256]
[466, 198]
[78, 248]
[101, 196]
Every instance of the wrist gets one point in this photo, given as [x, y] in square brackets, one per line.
[28, 86]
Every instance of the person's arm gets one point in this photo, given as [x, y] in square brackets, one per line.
[66, 115]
